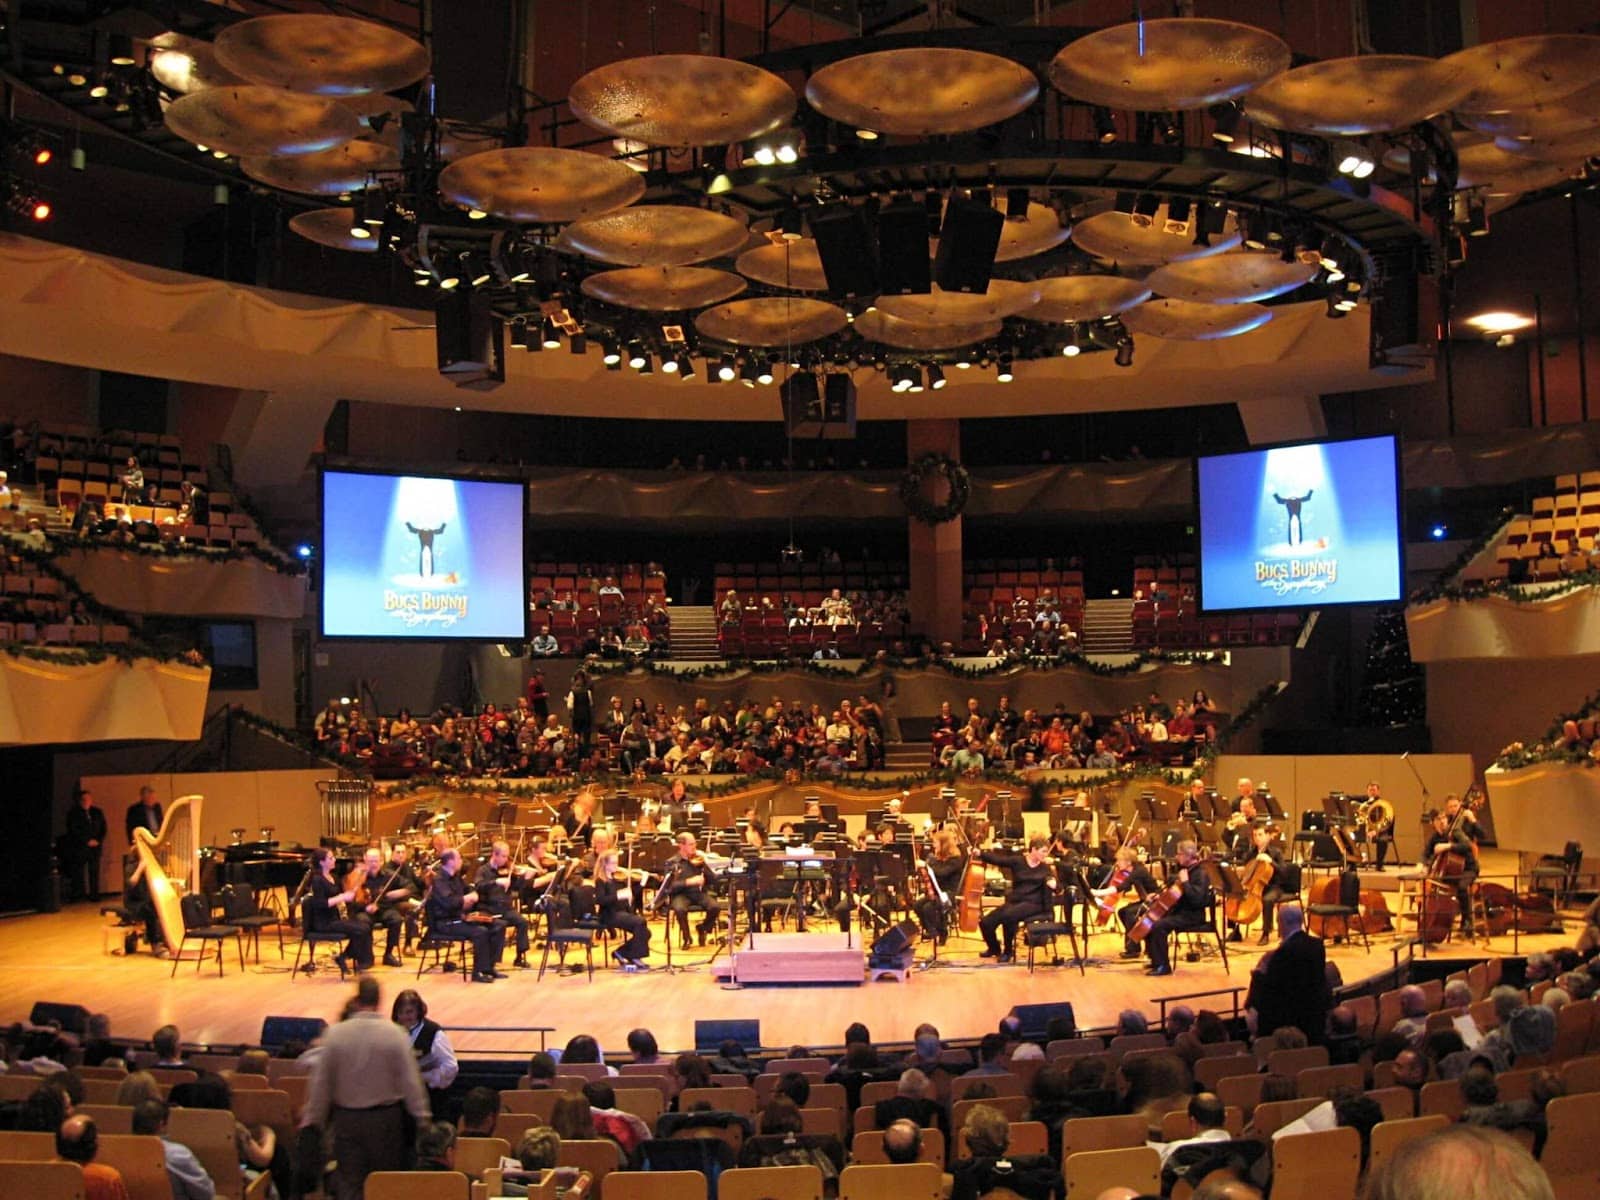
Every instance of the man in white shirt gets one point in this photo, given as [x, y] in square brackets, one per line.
[190, 1180]
[1207, 1123]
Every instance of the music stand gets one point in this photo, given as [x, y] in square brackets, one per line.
[1270, 803]
[504, 812]
[830, 812]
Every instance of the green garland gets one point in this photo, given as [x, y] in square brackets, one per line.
[1442, 583]
[919, 473]
[830, 669]
[1257, 705]
[86, 656]
[1517, 593]
[283, 566]
[1549, 749]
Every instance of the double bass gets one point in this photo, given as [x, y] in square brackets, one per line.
[1372, 911]
[1244, 907]
[1504, 910]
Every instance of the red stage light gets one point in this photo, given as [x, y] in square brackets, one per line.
[41, 210]
[42, 156]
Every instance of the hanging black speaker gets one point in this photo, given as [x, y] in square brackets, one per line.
[903, 265]
[968, 242]
[844, 244]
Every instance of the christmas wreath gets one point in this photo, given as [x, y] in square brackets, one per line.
[915, 498]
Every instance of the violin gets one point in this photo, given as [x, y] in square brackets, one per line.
[356, 882]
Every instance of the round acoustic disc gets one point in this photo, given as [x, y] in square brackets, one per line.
[656, 235]
[184, 64]
[337, 172]
[331, 227]
[1370, 93]
[663, 289]
[1086, 297]
[250, 120]
[771, 321]
[682, 100]
[1570, 114]
[878, 326]
[1184, 320]
[922, 90]
[793, 265]
[1169, 63]
[1514, 73]
[1004, 298]
[322, 55]
[1239, 277]
[540, 183]
[1113, 237]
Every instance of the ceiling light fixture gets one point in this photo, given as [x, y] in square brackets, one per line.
[552, 335]
[1105, 126]
[1224, 122]
[727, 369]
[1144, 210]
[1499, 321]
[638, 356]
[1177, 222]
[1125, 350]
[1003, 372]
[936, 379]
[1353, 159]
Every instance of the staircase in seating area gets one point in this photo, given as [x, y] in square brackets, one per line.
[1108, 627]
[906, 758]
[692, 634]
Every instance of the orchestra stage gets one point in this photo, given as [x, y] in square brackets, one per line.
[59, 957]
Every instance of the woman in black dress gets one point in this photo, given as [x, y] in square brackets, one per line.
[613, 900]
[580, 708]
[322, 913]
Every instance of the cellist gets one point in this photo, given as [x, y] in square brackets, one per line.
[1450, 838]
[1191, 897]
[1135, 877]
[1262, 849]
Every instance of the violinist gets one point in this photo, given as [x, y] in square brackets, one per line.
[688, 885]
[322, 903]
[1192, 899]
[1450, 837]
[392, 907]
[579, 818]
[948, 866]
[436, 849]
[449, 905]
[1262, 848]
[1136, 878]
[495, 879]
[613, 895]
[545, 868]
[1033, 886]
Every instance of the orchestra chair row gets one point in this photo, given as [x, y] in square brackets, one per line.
[776, 1183]
[866, 1148]
[141, 1160]
[43, 1180]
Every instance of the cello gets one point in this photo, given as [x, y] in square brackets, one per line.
[1244, 907]
[1163, 903]
[1110, 897]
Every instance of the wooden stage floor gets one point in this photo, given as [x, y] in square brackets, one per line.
[59, 957]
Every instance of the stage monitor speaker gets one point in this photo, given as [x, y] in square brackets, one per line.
[824, 408]
[280, 1031]
[470, 341]
[903, 265]
[968, 242]
[73, 1018]
[709, 1035]
[844, 244]
[897, 939]
[1036, 1018]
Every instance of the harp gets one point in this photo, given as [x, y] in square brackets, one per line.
[169, 862]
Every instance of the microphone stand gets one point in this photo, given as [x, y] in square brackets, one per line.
[1427, 800]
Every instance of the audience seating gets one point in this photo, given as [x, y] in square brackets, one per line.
[866, 1148]
[1442, 1096]
[209, 1133]
[1272, 1115]
[775, 1183]
[1089, 1173]
[418, 1185]
[1389, 1135]
[141, 1162]
[42, 1180]
[655, 1185]
[1398, 1103]
[902, 1181]
[1102, 1133]
[1569, 1158]
[1316, 1166]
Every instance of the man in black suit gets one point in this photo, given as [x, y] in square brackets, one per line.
[1290, 985]
[86, 840]
[145, 814]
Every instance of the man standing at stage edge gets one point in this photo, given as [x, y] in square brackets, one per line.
[366, 1091]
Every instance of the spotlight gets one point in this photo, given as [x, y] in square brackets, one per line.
[610, 352]
[764, 372]
[685, 366]
[100, 90]
[727, 369]
[1224, 122]
[900, 379]
[1105, 126]
[781, 146]
[1167, 126]
[936, 379]
[35, 208]
[1072, 349]
[1123, 202]
[1439, 532]
[669, 365]
[1477, 216]
[552, 335]
[1144, 210]
[914, 374]
[647, 367]
[1003, 371]
[524, 338]
[303, 550]
[1210, 218]
[1177, 221]
[638, 356]
[373, 205]
[1335, 310]
[963, 364]
[1125, 350]
[1257, 230]
[749, 373]
[1016, 204]
[1353, 159]
[1330, 254]
[867, 135]
[578, 344]
[121, 46]
[789, 226]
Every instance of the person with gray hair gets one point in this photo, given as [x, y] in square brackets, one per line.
[911, 1102]
[1531, 1031]
[1413, 1022]
[436, 1147]
[1180, 1019]
[1555, 999]
[1507, 1000]
[1132, 1021]
[1458, 994]
[1462, 1160]
[1289, 986]
[902, 1141]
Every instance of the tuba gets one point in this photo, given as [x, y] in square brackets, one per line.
[169, 862]
[1375, 815]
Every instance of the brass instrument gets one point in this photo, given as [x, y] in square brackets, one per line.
[1374, 815]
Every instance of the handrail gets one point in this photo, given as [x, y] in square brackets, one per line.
[1162, 1001]
[541, 1030]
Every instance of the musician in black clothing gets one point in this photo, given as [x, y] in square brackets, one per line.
[85, 843]
[613, 899]
[1033, 885]
[494, 882]
[578, 820]
[688, 884]
[949, 869]
[394, 906]
[1258, 842]
[448, 902]
[1443, 840]
[1188, 911]
[323, 900]
[1140, 882]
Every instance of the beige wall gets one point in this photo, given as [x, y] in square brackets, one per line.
[1301, 782]
[248, 800]
[1480, 707]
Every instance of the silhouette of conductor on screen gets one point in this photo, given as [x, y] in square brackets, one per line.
[425, 547]
[1291, 506]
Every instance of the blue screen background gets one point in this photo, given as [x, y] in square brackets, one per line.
[374, 581]
[1351, 520]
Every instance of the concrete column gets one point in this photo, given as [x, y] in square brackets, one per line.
[935, 550]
